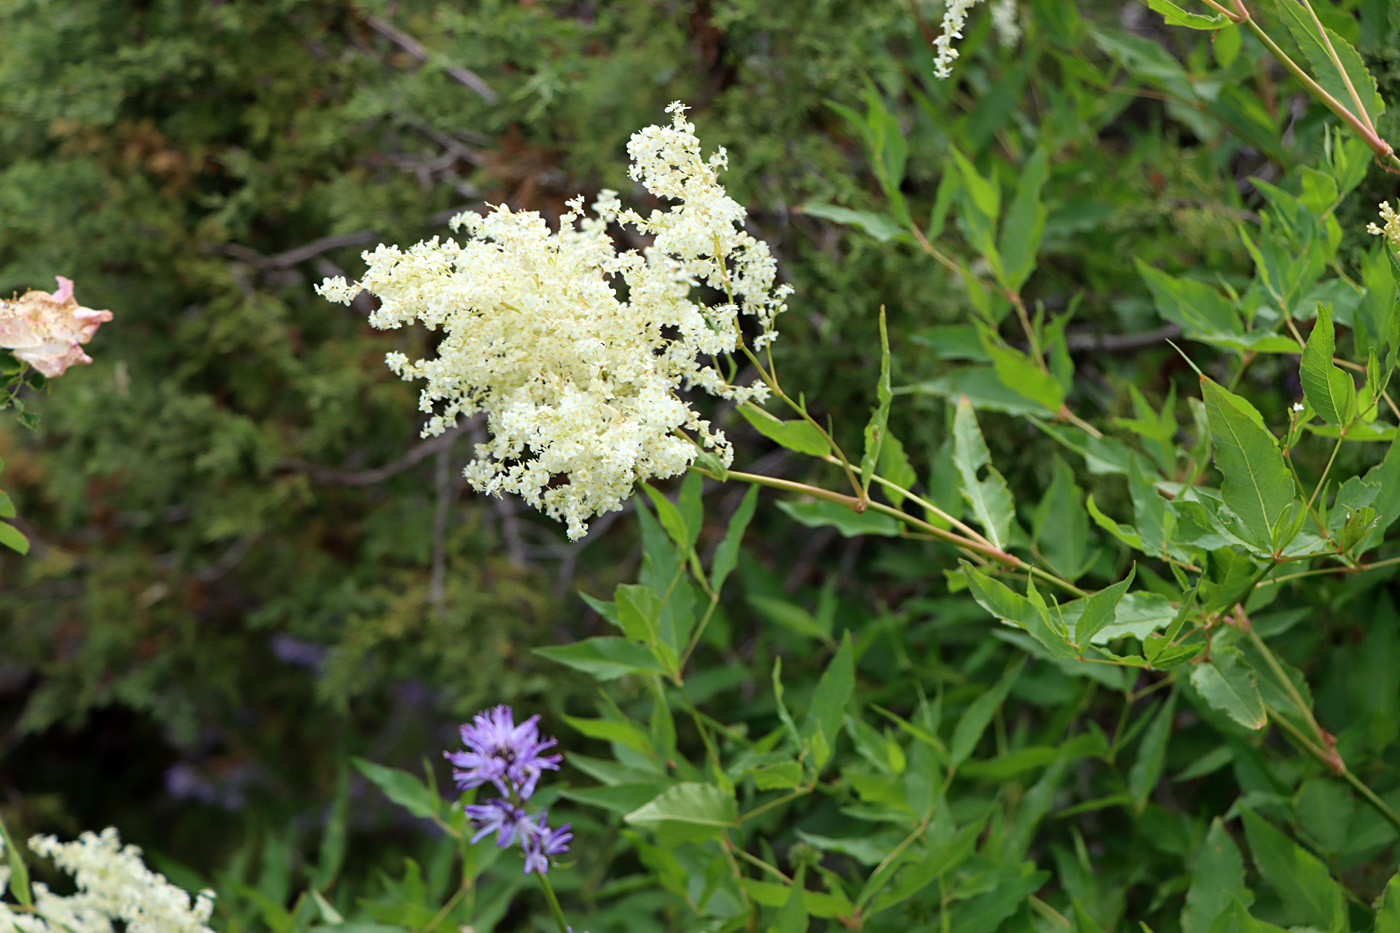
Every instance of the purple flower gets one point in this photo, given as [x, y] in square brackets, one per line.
[541, 842]
[503, 818]
[502, 753]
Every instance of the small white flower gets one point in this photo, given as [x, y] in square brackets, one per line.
[954, 16]
[1005, 22]
[1298, 406]
[1391, 230]
[580, 388]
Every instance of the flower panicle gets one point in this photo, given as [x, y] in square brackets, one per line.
[508, 755]
[581, 387]
[113, 884]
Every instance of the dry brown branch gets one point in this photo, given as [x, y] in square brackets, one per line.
[415, 48]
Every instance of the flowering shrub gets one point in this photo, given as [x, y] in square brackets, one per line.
[1161, 608]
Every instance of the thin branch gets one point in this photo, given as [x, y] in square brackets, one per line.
[316, 247]
[333, 477]
[415, 48]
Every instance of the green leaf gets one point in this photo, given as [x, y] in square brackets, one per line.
[817, 904]
[691, 803]
[792, 916]
[988, 498]
[783, 715]
[1008, 606]
[1176, 16]
[1099, 609]
[604, 658]
[881, 226]
[978, 715]
[1217, 877]
[1385, 478]
[331, 854]
[11, 537]
[19, 872]
[782, 775]
[1019, 374]
[916, 873]
[1060, 526]
[1309, 893]
[1228, 684]
[1235, 918]
[1025, 222]
[1257, 486]
[669, 515]
[982, 386]
[401, 787]
[638, 611]
[800, 436]
[894, 467]
[983, 194]
[610, 730]
[1357, 526]
[828, 708]
[1329, 390]
[851, 524]
[727, 554]
[1388, 911]
[878, 426]
[1152, 754]
[1306, 34]
[790, 616]
[1197, 308]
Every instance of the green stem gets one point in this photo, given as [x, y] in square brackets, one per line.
[1331, 761]
[1379, 146]
[1325, 470]
[775, 802]
[554, 907]
[755, 860]
[1356, 102]
[1288, 686]
[931, 508]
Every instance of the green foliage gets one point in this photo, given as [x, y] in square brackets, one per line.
[1089, 633]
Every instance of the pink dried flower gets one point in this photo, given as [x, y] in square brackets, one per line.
[47, 330]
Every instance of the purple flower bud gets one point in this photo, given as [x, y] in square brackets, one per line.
[501, 817]
[541, 842]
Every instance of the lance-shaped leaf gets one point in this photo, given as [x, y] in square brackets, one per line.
[1176, 16]
[1025, 222]
[1100, 608]
[988, 498]
[1306, 34]
[1257, 486]
[799, 436]
[1025, 612]
[1329, 390]
[878, 425]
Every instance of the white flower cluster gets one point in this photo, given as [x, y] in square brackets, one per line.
[113, 885]
[580, 386]
[1006, 22]
[1391, 230]
[954, 16]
